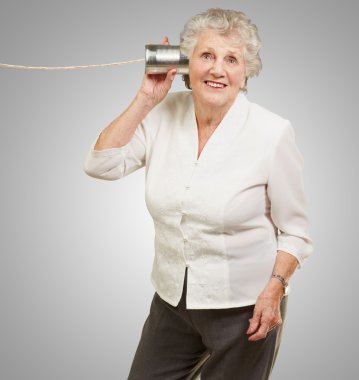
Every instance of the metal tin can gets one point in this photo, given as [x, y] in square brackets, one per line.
[161, 58]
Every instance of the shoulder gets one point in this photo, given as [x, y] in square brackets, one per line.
[175, 102]
[261, 115]
[267, 130]
[173, 108]
[266, 122]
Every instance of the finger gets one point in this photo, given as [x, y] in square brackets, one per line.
[261, 333]
[273, 327]
[165, 41]
[254, 322]
[276, 324]
[171, 74]
[253, 326]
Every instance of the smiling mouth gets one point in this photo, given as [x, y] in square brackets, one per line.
[215, 84]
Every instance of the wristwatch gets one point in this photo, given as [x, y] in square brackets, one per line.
[283, 281]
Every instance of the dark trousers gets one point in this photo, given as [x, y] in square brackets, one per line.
[175, 340]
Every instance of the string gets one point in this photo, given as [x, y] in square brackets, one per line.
[22, 67]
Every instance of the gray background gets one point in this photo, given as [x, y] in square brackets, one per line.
[76, 252]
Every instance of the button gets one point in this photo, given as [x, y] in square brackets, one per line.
[187, 187]
[196, 162]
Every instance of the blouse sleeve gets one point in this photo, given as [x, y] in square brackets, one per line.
[285, 190]
[114, 163]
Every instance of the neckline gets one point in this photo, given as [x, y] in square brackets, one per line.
[230, 125]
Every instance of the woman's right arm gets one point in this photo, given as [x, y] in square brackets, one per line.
[120, 148]
[119, 132]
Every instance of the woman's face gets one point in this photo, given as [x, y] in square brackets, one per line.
[216, 69]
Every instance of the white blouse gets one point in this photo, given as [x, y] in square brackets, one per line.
[223, 215]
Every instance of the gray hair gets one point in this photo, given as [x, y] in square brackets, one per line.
[226, 22]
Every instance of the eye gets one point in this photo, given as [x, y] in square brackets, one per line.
[231, 60]
[206, 56]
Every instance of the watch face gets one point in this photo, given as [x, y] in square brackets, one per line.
[286, 290]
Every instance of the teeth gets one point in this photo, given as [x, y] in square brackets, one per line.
[215, 84]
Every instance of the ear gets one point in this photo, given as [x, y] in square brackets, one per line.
[187, 82]
[244, 83]
[244, 87]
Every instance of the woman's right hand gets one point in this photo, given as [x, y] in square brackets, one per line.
[155, 87]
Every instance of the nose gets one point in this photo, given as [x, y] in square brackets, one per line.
[217, 68]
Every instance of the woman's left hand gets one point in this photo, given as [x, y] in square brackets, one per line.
[266, 315]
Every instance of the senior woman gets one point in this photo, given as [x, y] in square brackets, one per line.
[224, 186]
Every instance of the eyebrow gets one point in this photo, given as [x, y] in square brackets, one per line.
[233, 52]
[228, 51]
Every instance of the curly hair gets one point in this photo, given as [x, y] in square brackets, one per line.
[226, 22]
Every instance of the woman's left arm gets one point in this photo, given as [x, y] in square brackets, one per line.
[266, 315]
[285, 189]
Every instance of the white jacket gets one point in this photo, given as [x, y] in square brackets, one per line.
[223, 215]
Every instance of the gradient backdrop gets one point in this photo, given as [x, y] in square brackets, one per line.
[76, 253]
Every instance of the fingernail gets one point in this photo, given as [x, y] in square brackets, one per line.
[172, 77]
